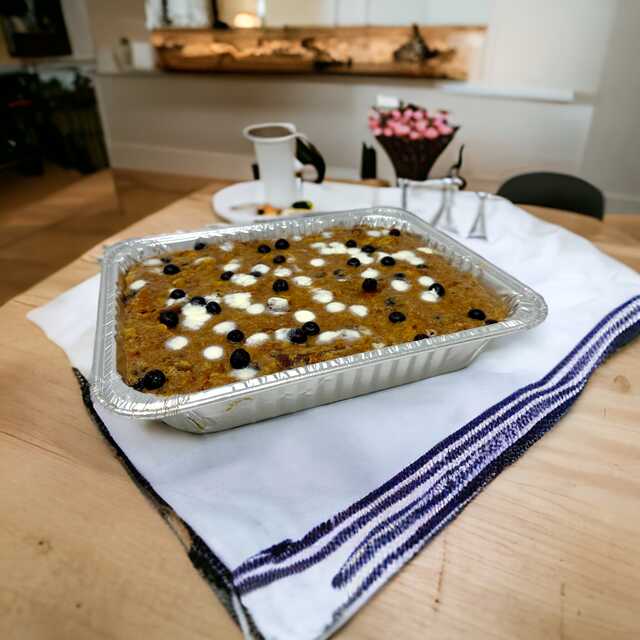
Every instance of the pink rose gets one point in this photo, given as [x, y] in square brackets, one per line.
[377, 131]
[396, 114]
[419, 115]
[415, 135]
[422, 125]
[387, 131]
[445, 130]
[431, 133]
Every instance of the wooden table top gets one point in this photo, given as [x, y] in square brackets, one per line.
[548, 550]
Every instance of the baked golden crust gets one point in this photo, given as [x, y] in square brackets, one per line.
[254, 308]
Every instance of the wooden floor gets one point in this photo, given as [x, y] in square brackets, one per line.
[48, 221]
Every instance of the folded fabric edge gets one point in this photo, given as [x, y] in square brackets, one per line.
[204, 560]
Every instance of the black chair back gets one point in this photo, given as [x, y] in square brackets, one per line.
[554, 190]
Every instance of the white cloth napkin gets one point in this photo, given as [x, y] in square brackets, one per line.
[341, 496]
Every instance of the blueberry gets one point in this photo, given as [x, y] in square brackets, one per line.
[477, 314]
[213, 308]
[281, 244]
[311, 328]
[176, 294]
[235, 335]
[280, 285]
[264, 248]
[171, 269]
[198, 246]
[297, 336]
[239, 359]
[138, 385]
[368, 248]
[154, 379]
[420, 336]
[369, 285]
[387, 261]
[278, 259]
[169, 318]
[490, 321]
[394, 232]
[301, 204]
[438, 288]
[353, 262]
[339, 274]
[226, 275]
[399, 276]
[350, 244]
[198, 300]
[397, 316]
[256, 274]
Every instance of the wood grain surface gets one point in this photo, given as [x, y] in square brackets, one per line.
[548, 550]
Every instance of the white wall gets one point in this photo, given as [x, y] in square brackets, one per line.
[548, 43]
[612, 159]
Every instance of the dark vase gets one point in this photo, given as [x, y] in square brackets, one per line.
[413, 159]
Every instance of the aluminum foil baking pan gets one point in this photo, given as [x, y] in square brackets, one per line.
[303, 387]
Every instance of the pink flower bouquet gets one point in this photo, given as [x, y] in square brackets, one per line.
[413, 138]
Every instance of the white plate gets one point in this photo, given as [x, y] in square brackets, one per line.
[328, 196]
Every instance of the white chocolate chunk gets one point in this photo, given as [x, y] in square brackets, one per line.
[349, 334]
[304, 316]
[335, 307]
[243, 279]
[238, 300]
[400, 285]
[425, 281]
[194, 316]
[257, 339]
[277, 305]
[374, 233]
[244, 374]
[359, 310]
[226, 246]
[152, 262]
[234, 265]
[323, 296]
[261, 268]
[407, 256]
[213, 353]
[255, 309]
[137, 285]
[327, 336]
[426, 250]
[282, 272]
[224, 327]
[282, 333]
[316, 262]
[296, 238]
[333, 248]
[176, 343]
[302, 281]
[327, 234]
[202, 259]
[370, 273]
[429, 296]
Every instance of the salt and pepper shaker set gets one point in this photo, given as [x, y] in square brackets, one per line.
[444, 217]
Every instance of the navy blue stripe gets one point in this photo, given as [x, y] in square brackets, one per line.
[285, 550]
[427, 531]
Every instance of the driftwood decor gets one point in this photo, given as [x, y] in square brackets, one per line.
[424, 52]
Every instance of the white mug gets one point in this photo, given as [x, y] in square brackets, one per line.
[277, 145]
